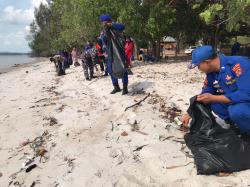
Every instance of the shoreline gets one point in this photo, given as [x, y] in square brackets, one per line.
[19, 66]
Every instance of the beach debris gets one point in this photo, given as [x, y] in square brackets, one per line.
[70, 163]
[41, 152]
[30, 168]
[140, 132]
[52, 120]
[99, 173]
[112, 125]
[24, 143]
[169, 112]
[186, 153]
[140, 147]
[27, 162]
[138, 103]
[26, 71]
[33, 184]
[41, 100]
[124, 133]
[1, 174]
[136, 156]
[178, 166]
[61, 108]
[135, 126]
[162, 138]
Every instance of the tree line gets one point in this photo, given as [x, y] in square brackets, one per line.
[62, 24]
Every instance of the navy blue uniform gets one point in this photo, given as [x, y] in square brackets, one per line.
[233, 81]
[106, 48]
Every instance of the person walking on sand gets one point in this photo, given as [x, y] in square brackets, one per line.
[74, 54]
[114, 55]
[226, 88]
[88, 57]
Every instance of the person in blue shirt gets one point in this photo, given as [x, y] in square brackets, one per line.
[106, 46]
[226, 88]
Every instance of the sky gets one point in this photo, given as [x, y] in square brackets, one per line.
[15, 17]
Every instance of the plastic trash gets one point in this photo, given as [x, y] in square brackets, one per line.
[215, 149]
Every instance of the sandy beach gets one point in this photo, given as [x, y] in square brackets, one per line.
[76, 134]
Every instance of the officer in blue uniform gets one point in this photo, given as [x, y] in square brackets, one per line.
[226, 88]
[107, 23]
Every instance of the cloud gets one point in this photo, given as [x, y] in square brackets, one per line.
[14, 41]
[17, 16]
[13, 15]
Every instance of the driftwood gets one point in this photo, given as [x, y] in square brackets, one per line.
[140, 147]
[137, 103]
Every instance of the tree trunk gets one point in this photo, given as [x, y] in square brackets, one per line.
[158, 48]
[216, 37]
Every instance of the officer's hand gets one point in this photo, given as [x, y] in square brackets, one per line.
[205, 98]
[185, 120]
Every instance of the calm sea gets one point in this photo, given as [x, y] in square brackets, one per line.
[7, 61]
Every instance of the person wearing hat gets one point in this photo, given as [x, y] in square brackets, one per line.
[226, 88]
[106, 46]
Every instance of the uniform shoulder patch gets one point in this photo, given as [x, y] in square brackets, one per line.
[237, 70]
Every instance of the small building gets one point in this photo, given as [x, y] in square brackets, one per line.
[168, 46]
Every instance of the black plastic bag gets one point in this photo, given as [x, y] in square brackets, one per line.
[117, 45]
[215, 149]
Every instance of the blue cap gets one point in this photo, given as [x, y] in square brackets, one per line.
[105, 17]
[201, 54]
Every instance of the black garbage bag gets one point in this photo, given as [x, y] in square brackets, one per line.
[215, 149]
[117, 45]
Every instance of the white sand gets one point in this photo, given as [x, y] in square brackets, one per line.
[84, 134]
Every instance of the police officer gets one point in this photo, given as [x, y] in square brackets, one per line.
[106, 45]
[226, 88]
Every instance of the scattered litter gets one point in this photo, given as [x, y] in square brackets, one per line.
[162, 138]
[112, 125]
[135, 126]
[138, 103]
[173, 167]
[24, 143]
[70, 163]
[27, 162]
[31, 167]
[52, 120]
[140, 148]
[124, 133]
[33, 184]
[1, 174]
[99, 173]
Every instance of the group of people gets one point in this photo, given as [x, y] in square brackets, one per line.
[113, 52]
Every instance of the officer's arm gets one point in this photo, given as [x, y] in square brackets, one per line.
[242, 73]
[118, 26]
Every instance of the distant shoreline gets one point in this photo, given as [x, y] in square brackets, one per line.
[10, 53]
[20, 66]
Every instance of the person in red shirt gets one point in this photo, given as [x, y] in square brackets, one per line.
[100, 58]
[129, 50]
